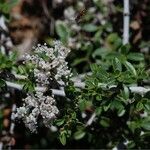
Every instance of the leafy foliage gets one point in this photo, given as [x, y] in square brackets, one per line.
[121, 116]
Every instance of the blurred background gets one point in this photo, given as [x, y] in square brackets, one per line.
[90, 28]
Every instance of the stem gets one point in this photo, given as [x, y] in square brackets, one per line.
[90, 121]
[39, 89]
[126, 20]
[1, 145]
[12, 125]
[134, 89]
[11, 131]
[76, 80]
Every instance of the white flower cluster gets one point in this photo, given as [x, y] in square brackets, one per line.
[49, 63]
[35, 106]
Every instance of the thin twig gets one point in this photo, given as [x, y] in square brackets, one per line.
[39, 89]
[126, 19]
[81, 76]
[76, 80]
[90, 121]
[12, 125]
[1, 145]
[79, 84]
[134, 89]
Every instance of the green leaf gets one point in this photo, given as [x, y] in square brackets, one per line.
[83, 104]
[131, 145]
[133, 125]
[6, 6]
[89, 28]
[112, 38]
[116, 104]
[117, 64]
[106, 107]
[139, 106]
[79, 135]
[147, 106]
[13, 56]
[2, 83]
[59, 122]
[136, 56]
[98, 34]
[147, 94]
[62, 31]
[121, 112]
[130, 68]
[137, 97]
[100, 52]
[21, 69]
[125, 92]
[78, 61]
[100, 73]
[124, 49]
[105, 122]
[114, 41]
[98, 97]
[94, 67]
[98, 110]
[146, 125]
[29, 86]
[62, 138]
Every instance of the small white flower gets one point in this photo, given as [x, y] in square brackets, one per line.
[31, 122]
[21, 112]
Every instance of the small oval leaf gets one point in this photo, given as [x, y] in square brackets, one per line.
[130, 68]
[117, 64]
[79, 135]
